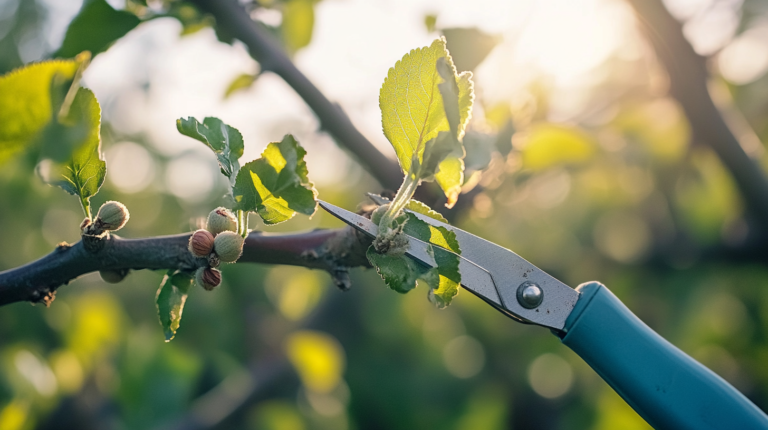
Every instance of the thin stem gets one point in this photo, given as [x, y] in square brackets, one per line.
[404, 193]
[86, 205]
[244, 233]
[240, 222]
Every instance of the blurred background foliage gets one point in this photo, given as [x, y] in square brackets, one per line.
[578, 159]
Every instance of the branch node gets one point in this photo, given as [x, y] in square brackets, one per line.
[62, 246]
[44, 295]
[340, 276]
[94, 238]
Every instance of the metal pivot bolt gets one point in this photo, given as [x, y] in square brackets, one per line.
[529, 295]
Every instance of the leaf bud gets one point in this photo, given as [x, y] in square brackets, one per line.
[228, 246]
[86, 222]
[378, 213]
[201, 243]
[221, 219]
[208, 278]
[112, 216]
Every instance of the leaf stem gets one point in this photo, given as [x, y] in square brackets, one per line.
[242, 222]
[86, 204]
[404, 193]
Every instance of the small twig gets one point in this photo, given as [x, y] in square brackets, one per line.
[37, 282]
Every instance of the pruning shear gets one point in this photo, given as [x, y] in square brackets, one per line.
[665, 386]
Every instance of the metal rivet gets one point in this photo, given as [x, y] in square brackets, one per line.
[529, 295]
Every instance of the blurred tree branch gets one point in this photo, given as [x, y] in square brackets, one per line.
[264, 49]
[333, 250]
[688, 78]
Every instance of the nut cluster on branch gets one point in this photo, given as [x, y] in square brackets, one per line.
[218, 242]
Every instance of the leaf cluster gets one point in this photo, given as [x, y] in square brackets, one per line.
[425, 107]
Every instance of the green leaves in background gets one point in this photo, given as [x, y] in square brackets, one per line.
[225, 141]
[29, 98]
[277, 184]
[545, 145]
[95, 28]
[83, 174]
[241, 83]
[41, 105]
[170, 299]
[298, 23]
[421, 98]
[401, 272]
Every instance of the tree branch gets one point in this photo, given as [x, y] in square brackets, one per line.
[264, 49]
[688, 84]
[331, 250]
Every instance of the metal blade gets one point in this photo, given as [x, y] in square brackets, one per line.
[416, 250]
[473, 277]
[509, 272]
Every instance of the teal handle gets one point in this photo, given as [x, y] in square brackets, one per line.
[669, 389]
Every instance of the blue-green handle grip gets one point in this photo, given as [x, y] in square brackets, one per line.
[669, 389]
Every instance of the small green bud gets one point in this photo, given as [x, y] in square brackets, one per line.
[112, 216]
[228, 246]
[378, 213]
[208, 278]
[221, 219]
[201, 243]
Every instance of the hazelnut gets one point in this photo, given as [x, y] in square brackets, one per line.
[201, 243]
[113, 276]
[221, 219]
[112, 216]
[228, 246]
[208, 278]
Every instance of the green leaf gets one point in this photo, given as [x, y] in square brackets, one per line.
[225, 141]
[241, 83]
[430, 22]
[412, 110]
[170, 299]
[446, 285]
[450, 177]
[458, 97]
[399, 272]
[421, 208]
[444, 146]
[469, 46]
[421, 98]
[298, 23]
[29, 98]
[95, 28]
[83, 174]
[277, 184]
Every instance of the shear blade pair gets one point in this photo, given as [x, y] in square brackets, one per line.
[497, 275]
